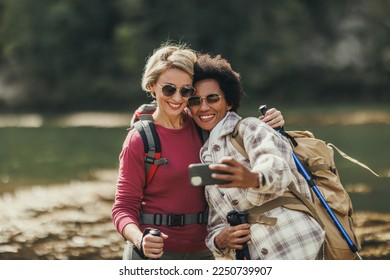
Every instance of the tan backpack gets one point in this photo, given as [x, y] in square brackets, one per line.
[318, 159]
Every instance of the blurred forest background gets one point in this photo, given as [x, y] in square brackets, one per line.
[70, 74]
[71, 55]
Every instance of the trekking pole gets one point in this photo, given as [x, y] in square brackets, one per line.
[313, 186]
[235, 218]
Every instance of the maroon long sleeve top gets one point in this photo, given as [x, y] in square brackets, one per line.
[168, 193]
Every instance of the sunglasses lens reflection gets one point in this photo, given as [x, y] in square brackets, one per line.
[168, 90]
[213, 98]
[194, 101]
[185, 91]
[210, 99]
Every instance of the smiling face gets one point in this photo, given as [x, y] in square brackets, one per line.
[171, 106]
[207, 115]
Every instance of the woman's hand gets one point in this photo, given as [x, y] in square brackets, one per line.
[273, 118]
[239, 175]
[232, 237]
[153, 245]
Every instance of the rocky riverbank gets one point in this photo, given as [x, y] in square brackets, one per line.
[74, 222]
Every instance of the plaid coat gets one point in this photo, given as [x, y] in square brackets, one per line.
[295, 235]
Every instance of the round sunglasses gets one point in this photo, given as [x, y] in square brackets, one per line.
[169, 90]
[211, 99]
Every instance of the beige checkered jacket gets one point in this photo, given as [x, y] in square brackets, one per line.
[295, 235]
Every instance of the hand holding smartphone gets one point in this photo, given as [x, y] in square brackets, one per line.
[200, 175]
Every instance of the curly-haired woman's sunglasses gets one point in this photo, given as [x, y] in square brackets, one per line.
[169, 90]
[211, 99]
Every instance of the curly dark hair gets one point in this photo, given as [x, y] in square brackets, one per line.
[220, 70]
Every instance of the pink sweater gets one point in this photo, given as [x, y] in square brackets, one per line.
[168, 193]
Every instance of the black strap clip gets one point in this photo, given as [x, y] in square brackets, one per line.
[176, 220]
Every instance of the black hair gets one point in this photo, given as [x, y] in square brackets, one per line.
[220, 70]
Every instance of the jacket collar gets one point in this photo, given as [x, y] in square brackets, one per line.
[230, 123]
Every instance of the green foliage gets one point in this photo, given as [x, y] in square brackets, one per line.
[78, 55]
[59, 48]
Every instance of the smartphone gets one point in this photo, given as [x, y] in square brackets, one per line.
[200, 175]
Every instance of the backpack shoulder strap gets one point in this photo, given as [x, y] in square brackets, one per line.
[291, 199]
[307, 203]
[148, 108]
[152, 148]
[238, 141]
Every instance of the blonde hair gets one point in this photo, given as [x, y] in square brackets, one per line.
[169, 55]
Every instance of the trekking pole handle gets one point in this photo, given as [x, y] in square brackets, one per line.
[235, 218]
[155, 232]
[263, 110]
